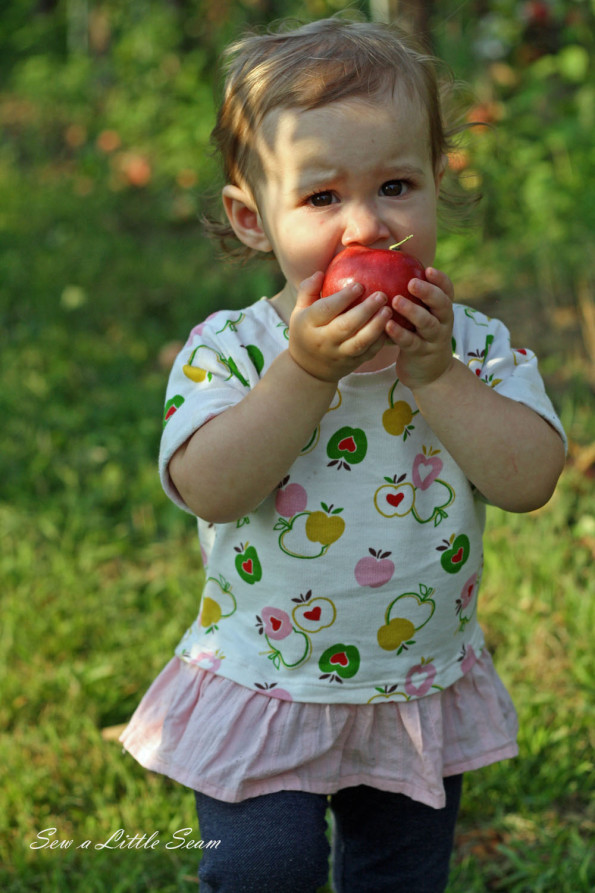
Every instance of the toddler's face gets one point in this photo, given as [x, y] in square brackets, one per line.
[357, 171]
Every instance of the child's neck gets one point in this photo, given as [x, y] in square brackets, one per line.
[283, 302]
[386, 356]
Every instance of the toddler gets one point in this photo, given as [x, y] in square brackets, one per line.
[339, 465]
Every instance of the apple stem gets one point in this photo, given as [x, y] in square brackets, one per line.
[402, 242]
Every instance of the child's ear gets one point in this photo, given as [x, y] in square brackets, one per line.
[244, 218]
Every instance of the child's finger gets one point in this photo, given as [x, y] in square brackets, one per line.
[369, 336]
[326, 309]
[309, 290]
[412, 312]
[442, 281]
[354, 318]
[434, 298]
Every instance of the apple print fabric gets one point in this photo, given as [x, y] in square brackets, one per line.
[357, 578]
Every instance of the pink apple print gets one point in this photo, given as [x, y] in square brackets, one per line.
[271, 689]
[375, 569]
[291, 499]
[420, 678]
[197, 330]
[468, 658]
[277, 624]
[206, 660]
[467, 592]
[281, 694]
[425, 470]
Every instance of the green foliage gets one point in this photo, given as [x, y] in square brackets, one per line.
[530, 151]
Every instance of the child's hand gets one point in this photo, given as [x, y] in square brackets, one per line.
[424, 355]
[329, 340]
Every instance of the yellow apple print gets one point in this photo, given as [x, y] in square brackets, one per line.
[405, 615]
[218, 602]
[325, 527]
[396, 420]
[194, 373]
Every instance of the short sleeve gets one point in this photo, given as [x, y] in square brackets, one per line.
[483, 344]
[212, 373]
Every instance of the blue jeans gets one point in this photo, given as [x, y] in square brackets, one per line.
[277, 843]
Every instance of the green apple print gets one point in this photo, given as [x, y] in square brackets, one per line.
[256, 356]
[348, 446]
[455, 552]
[172, 407]
[477, 360]
[293, 650]
[232, 324]
[247, 563]
[312, 442]
[230, 364]
[339, 662]
[195, 368]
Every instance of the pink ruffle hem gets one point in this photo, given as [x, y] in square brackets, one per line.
[231, 742]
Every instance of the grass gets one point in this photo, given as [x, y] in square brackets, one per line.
[100, 574]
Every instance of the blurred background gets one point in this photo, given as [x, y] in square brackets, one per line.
[105, 168]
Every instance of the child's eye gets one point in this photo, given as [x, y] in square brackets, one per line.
[394, 188]
[321, 199]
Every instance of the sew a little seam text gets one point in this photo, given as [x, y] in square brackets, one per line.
[120, 840]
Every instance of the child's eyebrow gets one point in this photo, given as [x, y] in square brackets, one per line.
[314, 175]
[409, 170]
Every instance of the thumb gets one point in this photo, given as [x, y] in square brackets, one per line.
[309, 290]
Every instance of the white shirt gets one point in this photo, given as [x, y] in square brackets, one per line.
[357, 578]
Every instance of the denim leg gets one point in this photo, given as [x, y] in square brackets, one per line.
[271, 844]
[387, 843]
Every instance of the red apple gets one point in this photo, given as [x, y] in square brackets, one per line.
[377, 269]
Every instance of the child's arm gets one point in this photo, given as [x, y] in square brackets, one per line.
[509, 452]
[234, 461]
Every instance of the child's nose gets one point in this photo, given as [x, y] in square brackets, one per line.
[364, 226]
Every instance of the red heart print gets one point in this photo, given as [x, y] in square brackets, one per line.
[347, 445]
[275, 623]
[314, 614]
[247, 566]
[395, 499]
[456, 559]
[339, 658]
